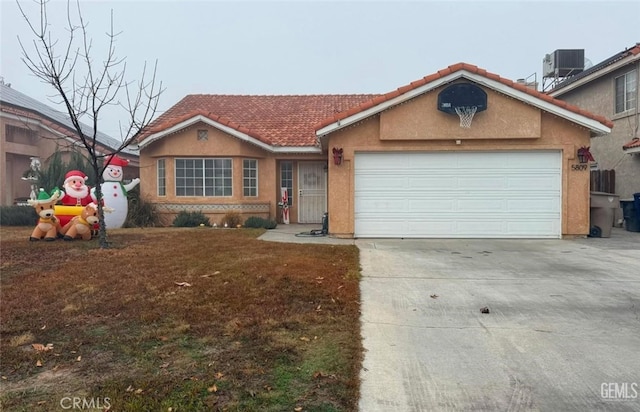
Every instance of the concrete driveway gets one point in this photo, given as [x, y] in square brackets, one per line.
[563, 332]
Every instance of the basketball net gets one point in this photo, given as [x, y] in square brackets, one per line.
[466, 115]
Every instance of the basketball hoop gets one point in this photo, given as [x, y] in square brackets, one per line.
[463, 99]
[466, 115]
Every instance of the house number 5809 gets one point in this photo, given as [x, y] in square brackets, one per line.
[579, 167]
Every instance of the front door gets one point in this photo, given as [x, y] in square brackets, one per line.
[312, 191]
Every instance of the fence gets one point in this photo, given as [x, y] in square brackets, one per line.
[603, 181]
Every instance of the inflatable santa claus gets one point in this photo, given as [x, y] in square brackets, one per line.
[114, 193]
[76, 192]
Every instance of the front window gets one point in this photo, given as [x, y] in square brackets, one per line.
[250, 177]
[626, 91]
[286, 179]
[162, 180]
[204, 177]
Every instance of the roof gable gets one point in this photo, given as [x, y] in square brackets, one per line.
[597, 124]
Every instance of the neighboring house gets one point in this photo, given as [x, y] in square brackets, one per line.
[31, 129]
[402, 168]
[610, 88]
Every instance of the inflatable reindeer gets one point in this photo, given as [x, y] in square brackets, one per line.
[48, 225]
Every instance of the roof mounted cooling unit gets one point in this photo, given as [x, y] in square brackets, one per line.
[563, 63]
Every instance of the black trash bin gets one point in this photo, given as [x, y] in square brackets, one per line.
[325, 223]
[631, 213]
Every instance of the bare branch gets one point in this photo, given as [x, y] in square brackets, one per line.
[86, 85]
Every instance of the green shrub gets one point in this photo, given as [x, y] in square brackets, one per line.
[232, 219]
[190, 219]
[18, 216]
[258, 222]
[141, 213]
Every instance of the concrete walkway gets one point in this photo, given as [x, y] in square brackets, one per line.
[299, 233]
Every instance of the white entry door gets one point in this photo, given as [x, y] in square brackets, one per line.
[458, 194]
[312, 191]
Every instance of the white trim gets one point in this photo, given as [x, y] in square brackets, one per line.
[256, 178]
[204, 187]
[164, 170]
[592, 76]
[591, 124]
[229, 130]
[632, 150]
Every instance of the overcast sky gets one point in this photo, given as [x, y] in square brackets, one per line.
[324, 47]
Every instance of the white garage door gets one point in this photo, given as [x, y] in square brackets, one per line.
[458, 194]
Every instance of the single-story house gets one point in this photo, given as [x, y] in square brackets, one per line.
[398, 164]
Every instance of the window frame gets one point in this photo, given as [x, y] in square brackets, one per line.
[203, 177]
[250, 183]
[625, 90]
[287, 181]
[161, 175]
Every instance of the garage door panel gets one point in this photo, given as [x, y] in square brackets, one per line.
[533, 227]
[478, 205]
[534, 205]
[367, 183]
[545, 183]
[525, 160]
[473, 183]
[425, 161]
[458, 194]
[431, 183]
[420, 207]
[387, 206]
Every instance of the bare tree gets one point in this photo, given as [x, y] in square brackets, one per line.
[87, 84]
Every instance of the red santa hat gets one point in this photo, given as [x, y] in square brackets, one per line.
[114, 160]
[74, 174]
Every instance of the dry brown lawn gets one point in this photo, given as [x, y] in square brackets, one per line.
[178, 320]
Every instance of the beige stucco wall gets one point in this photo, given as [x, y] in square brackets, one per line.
[15, 156]
[420, 120]
[598, 97]
[507, 125]
[185, 144]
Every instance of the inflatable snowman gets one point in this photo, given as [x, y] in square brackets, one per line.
[114, 193]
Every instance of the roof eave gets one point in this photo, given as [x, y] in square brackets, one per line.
[229, 130]
[632, 150]
[594, 126]
[103, 149]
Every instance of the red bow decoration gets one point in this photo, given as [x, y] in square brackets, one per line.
[585, 154]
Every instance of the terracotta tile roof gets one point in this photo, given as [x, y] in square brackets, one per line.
[452, 69]
[274, 120]
[292, 120]
[635, 142]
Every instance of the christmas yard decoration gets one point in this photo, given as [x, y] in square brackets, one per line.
[48, 225]
[81, 226]
[114, 193]
[76, 192]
